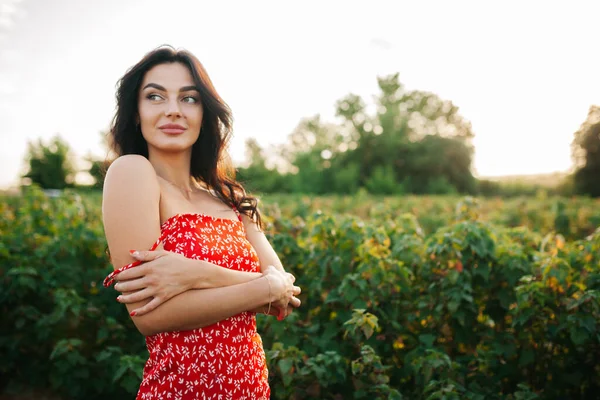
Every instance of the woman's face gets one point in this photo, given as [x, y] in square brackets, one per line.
[170, 111]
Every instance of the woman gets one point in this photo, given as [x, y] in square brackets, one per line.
[195, 299]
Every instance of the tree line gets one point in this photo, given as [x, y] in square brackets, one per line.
[407, 141]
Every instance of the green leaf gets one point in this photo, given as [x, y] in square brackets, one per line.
[527, 357]
[427, 339]
[285, 365]
[119, 373]
[23, 271]
[367, 330]
[579, 336]
[453, 305]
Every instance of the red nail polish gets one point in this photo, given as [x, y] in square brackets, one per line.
[132, 314]
[131, 251]
[119, 298]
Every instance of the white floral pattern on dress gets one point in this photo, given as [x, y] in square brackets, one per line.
[222, 361]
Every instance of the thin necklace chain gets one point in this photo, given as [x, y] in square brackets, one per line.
[179, 187]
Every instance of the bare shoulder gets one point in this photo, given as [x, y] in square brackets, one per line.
[131, 173]
[130, 177]
[131, 165]
[130, 207]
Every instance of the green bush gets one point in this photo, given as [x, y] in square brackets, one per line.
[440, 185]
[472, 311]
[61, 331]
[469, 309]
[383, 181]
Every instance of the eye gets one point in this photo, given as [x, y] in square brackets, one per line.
[153, 97]
[190, 99]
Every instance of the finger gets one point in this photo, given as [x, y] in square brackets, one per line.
[148, 307]
[147, 255]
[135, 297]
[295, 302]
[285, 314]
[297, 290]
[292, 277]
[282, 312]
[130, 286]
[281, 303]
[132, 273]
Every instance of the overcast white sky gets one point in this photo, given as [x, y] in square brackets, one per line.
[523, 72]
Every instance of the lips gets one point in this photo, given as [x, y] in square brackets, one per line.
[172, 129]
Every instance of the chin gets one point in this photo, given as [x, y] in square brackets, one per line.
[173, 146]
[176, 148]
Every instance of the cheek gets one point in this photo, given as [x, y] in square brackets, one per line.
[199, 114]
[146, 114]
[194, 113]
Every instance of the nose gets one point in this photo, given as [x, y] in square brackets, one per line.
[173, 109]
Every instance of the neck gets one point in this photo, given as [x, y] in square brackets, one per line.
[173, 167]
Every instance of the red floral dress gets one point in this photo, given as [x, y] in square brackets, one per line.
[221, 361]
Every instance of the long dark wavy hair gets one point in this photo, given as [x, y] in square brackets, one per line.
[210, 162]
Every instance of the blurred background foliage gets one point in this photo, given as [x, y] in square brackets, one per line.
[405, 142]
[412, 297]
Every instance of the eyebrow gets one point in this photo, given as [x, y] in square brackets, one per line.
[182, 89]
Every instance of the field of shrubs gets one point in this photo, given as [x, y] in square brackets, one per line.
[403, 298]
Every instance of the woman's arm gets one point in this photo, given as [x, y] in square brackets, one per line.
[166, 274]
[193, 274]
[198, 308]
[266, 254]
[268, 257]
[131, 219]
[179, 275]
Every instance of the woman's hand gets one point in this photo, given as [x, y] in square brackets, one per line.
[163, 276]
[274, 311]
[277, 312]
[282, 291]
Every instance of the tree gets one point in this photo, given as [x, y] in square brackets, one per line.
[98, 170]
[415, 114]
[99, 167]
[586, 155]
[382, 181]
[50, 165]
[257, 176]
[412, 142]
[423, 137]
